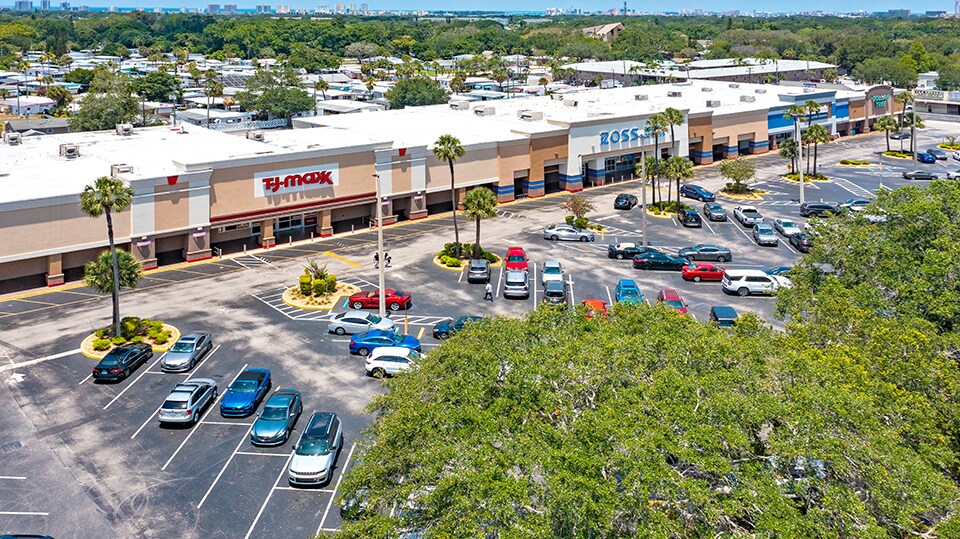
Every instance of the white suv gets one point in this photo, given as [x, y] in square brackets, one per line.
[389, 360]
[746, 282]
[552, 271]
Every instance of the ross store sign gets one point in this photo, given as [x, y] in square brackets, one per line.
[623, 135]
[293, 180]
[880, 101]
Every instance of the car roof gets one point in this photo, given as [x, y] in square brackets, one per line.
[516, 272]
[253, 374]
[375, 333]
[554, 284]
[669, 293]
[625, 245]
[514, 249]
[199, 381]
[763, 226]
[723, 311]
[479, 262]
[623, 283]
[319, 424]
[390, 351]
[599, 303]
[179, 396]
[746, 273]
[551, 264]
[188, 338]
[280, 399]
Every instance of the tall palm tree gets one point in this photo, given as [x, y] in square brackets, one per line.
[887, 124]
[449, 148]
[812, 108]
[105, 197]
[479, 204]
[656, 126]
[322, 86]
[678, 168]
[904, 98]
[816, 135]
[796, 113]
[672, 118]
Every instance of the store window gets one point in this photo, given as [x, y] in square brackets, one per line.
[610, 165]
[292, 221]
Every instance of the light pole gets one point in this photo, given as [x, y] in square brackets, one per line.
[643, 187]
[800, 159]
[382, 263]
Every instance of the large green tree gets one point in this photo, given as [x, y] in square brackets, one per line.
[158, 86]
[740, 171]
[416, 91]
[109, 102]
[276, 92]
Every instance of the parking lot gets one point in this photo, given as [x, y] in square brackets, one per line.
[84, 459]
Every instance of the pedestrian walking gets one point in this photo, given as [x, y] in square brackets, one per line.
[387, 259]
[376, 260]
[488, 292]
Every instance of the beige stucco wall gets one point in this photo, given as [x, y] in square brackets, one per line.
[53, 227]
[732, 126]
[476, 164]
[171, 211]
[513, 157]
[543, 150]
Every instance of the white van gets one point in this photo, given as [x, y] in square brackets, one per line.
[746, 282]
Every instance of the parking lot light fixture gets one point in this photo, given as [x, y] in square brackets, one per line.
[382, 262]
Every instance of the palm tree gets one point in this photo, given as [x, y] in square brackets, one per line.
[449, 148]
[104, 197]
[678, 168]
[322, 86]
[479, 204]
[788, 150]
[811, 108]
[796, 113]
[671, 118]
[817, 134]
[887, 124]
[904, 98]
[656, 126]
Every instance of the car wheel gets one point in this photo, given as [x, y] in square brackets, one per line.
[340, 331]
[721, 258]
[378, 373]
[645, 266]
[356, 305]
[394, 306]
[619, 256]
[584, 238]
[743, 291]
[696, 278]
[443, 336]
[363, 351]
[126, 374]
[554, 238]
[692, 258]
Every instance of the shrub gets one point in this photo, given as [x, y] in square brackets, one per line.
[162, 337]
[854, 162]
[315, 270]
[331, 283]
[156, 325]
[949, 146]
[137, 340]
[491, 257]
[306, 285]
[118, 340]
[453, 262]
[319, 287]
[670, 207]
[130, 327]
[897, 153]
[101, 344]
[103, 333]
[569, 219]
[580, 222]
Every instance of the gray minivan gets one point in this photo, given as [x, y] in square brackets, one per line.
[516, 284]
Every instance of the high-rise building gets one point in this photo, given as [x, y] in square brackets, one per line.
[44, 5]
[23, 5]
[230, 8]
[283, 9]
[339, 9]
[956, 8]
[263, 9]
[213, 8]
[353, 8]
[64, 6]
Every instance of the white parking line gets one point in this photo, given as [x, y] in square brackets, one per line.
[745, 235]
[23, 514]
[38, 360]
[573, 300]
[787, 245]
[269, 495]
[89, 376]
[712, 231]
[145, 423]
[227, 423]
[205, 412]
[535, 281]
[609, 297]
[499, 280]
[335, 487]
[460, 279]
[12, 478]
[325, 490]
[137, 379]
[254, 454]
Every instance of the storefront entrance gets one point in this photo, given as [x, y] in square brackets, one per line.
[551, 179]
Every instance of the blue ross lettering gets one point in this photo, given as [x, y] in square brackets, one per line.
[603, 138]
[615, 137]
[633, 133]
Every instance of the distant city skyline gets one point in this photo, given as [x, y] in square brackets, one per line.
[747, 6]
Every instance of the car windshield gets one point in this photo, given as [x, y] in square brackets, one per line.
[552, 293]
[554, 270]
[374, 319]
[477, 265]
[244, 386]
[313, 446]
[763, 229]
[183, 347]
[515, 258]
[674, 304]
[274, 413]
[629, 293]
[395, 338]
[788, 224]
[174, 405]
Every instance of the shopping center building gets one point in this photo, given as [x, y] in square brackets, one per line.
[200, 192]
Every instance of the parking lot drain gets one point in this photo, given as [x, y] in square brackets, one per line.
[11, 447]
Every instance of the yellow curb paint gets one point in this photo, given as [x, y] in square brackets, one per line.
[437, 263]
[420, 335]
[87, 342]
[343, 259]
[317, 307]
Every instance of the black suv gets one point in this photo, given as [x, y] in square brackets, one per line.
[819, 209]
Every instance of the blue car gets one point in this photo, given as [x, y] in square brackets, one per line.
[277, 419]
[697, 192]
[366, 342]
[925, 157]
[627, 291]
[245, 393]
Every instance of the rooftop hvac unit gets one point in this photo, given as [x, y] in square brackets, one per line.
[70, 151]
[460, 105]
[116, 170]
[641, 97]
[124, 129]
[11, 138]
[556, 97]
[734, 85]
[255, 135]
[706, 89]
[674, 94]
[530, 115]
[484, 111]
[570, 102]
[713, 104]
[748, 99]
[761, 90]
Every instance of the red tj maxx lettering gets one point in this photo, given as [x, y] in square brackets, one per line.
[274, 183]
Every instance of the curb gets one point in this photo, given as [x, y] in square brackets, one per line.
[174, 337]
[315, 307]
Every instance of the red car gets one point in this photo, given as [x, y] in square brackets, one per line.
[394, 299]
[517, 259]
[595, 307]
[700, 271]
[672, 300]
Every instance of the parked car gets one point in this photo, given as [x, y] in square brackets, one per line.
[349, 323]
[706, 251]
[856, 204]
[778, 270]
[956, 156]
[819, 209]
[786, 227]
[394, 300]
[516, 284]
[690, 218]
[277, 419]
[316, 451]
[658, 260]
[245, 393]
[552, 271]
[555, 293]
[627, 291]
[925, 157]
[567, 233]
[621, 251]
[625, 201]
[953, 174]
[516, 259]
[594, 308]
[919, 175]
[746, 282]
[801, 242]
[697, 192]
[478, 271]
[121, 361]
[186, 352]
[448, 328]
[368, 341]
[187, 401]
[900, 135]
[723, 316]
[714, 211]
[763, 234]
[747, 215]
[702, 271]
[938, 153]
[671, 299]
[390, 360]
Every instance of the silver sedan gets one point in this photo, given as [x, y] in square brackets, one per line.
[764, 235]
[786, 227]
[187, 401]
[567, 233]
[349, 323]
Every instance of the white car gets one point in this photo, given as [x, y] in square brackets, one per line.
[747, 215]
[567, 233]
[552, 271]
[746, 282]
[390, 360]
[953, 174]
[187, 401]
[316, 451]
[856, 204]
[352, 322]
[956, 156]
[786, 227]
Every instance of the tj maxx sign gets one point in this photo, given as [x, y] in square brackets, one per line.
[292, 180]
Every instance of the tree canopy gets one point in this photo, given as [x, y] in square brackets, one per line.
[158, 86]
[416, 91]
[276, 92]
[108, 103]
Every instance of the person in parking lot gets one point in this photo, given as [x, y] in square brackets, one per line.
[387, 260]
[376, 260]
[488, 292]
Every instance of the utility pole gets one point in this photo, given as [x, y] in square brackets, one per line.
[382, 263]
[800, 159]
[643, 186]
